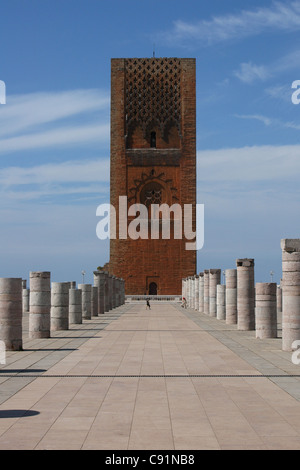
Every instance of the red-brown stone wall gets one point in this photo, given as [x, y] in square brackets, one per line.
[172, 164]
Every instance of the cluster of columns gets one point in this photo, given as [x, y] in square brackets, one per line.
[53, 306]
[239, 301]
[290, 293]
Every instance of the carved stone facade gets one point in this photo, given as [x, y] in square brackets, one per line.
[152, 94]
[153, 160]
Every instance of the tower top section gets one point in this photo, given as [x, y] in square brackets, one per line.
[153, 91]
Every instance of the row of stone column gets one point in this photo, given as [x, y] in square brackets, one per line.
[249, 306]
[53, 306]
[111, 291]
[239, 301]
[290, 293]
[253, 307]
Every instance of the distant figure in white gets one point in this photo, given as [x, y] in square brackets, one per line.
[2, 92]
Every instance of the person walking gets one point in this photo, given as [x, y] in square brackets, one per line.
[148, 304]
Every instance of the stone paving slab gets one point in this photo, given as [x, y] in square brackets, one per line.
[265, 355]
[164, 379]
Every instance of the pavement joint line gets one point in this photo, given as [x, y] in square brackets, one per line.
[245, 345]
[165, 329]
[18, 375]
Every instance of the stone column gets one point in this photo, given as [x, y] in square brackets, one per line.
[279, 299]
[111, 278]
[73, 285]
[214, 280]
[94, 301]
[265, 310]
[186, 289]
[59, 306]
[25, 300]
[188, 286]
[111, 290]
[196, 281]
[25, 296]
[99, 281]
[183, 289]
[190, 291]
[40, 304]
[193, 292]
[86, 300]
[290, 293]
[11, 313]
[206, 291]
[245, 294]
[201, 292]
[113, 297]
[123, 292]
[75, 306]
[221, 311]
[231, 296]
[118, 291]
[189, 301]
[107, 291]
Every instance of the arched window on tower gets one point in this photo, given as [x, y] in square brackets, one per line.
[153, 139]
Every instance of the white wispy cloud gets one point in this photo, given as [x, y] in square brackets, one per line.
[249, 164]
[229, 165]
[59, 136]
[80, 193]
[65, 172]
[287, 62]
[280, 92]
[267, 121]
[280, 16]
[270, 121]
[66, 178]
[26, 111]
[249, 72]
[292, 125]
[40, 120]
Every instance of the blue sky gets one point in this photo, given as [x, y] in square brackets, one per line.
[54, 127]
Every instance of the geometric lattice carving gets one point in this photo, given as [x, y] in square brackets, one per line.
[157, 183]
[152, 93]
[152, 193]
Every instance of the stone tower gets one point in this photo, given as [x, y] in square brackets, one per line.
[153, 161]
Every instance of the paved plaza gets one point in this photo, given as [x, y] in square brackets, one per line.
[167, 379]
